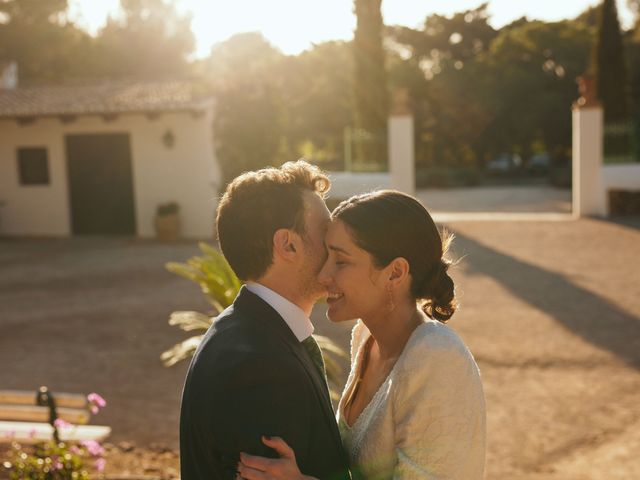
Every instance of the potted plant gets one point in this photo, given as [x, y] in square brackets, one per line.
[167, 222]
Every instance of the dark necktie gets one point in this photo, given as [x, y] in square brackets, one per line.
[315, 353]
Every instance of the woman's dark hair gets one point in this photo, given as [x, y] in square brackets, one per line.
[390, 224]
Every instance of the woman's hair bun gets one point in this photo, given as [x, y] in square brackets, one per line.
[438, 292]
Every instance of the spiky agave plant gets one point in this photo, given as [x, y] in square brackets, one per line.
[220, 285]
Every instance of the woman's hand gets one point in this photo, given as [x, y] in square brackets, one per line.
[252, 467]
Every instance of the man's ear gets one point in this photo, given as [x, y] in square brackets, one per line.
[285, 244]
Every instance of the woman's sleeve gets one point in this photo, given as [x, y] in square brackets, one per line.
[439, 415]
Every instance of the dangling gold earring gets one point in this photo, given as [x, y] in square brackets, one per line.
[391, 305]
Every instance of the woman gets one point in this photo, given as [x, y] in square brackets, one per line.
[413, 405]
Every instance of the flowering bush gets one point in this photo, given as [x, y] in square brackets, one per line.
[58, 460]
[55, 461]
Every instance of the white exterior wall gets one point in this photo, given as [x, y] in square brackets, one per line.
[187, 173]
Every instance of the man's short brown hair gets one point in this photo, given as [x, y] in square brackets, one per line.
[257, 204]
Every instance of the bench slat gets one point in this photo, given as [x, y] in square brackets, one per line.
[25, 397]
[27, 432]
[28, 413]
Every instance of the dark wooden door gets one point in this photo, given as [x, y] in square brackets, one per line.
[100, 184]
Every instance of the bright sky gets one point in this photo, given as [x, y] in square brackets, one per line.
[294, 25]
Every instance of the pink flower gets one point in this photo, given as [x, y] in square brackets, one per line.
[60, 423]
[93, 447]
[100, 463]
[96, 399]
[75, 450]
[94, 409]
[57, 464]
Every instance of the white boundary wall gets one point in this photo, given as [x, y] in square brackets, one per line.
[625, 176]
[401, 175]
[592, 179]
[401, 154]
[346, 184]
[588, 194]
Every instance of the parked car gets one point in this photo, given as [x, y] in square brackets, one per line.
[539, 163]
[504, 164]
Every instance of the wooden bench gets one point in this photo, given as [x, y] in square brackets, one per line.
[27, 417]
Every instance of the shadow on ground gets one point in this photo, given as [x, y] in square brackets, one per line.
[575, 308]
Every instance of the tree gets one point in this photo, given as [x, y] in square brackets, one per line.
[533, 69]
[31, 24]
[445, 84]
[634, 5]
[149, 39]
[610, 67]
[249, 123]
[32, 12]
[371, 104]
[316, 98]
[448, 42]
[511, 93]
[590, 16]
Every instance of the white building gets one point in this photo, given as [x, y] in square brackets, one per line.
[100, 159]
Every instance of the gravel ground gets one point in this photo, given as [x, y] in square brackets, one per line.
[551, 310]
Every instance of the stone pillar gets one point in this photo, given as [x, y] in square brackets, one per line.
[588, 188]
[401, 145]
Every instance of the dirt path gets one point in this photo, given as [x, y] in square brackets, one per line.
[551, 311]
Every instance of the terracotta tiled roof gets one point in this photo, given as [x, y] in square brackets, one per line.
[106, 98]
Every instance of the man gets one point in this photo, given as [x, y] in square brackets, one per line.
[257, 372]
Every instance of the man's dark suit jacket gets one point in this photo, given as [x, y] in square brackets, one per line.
[250, 377]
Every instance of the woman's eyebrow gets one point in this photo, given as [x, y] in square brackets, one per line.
[335, 248]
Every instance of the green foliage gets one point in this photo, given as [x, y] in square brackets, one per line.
[148, 39]
[534, 67]
[220, 285]
[214, 275]
[316, 97]
[447, 177]
[30, 25]
[370, 95]
[444, 41]
[475, 91]
[248, 127]
[54, 461]
[483, 92]
[446, 84]
[610, 67]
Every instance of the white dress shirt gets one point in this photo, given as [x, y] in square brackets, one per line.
[293, 315]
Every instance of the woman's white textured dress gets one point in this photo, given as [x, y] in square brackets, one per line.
[427, 420]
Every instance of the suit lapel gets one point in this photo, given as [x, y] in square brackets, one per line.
[261, 310]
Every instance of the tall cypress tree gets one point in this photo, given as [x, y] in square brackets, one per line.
[370, 84]
[610, 66]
